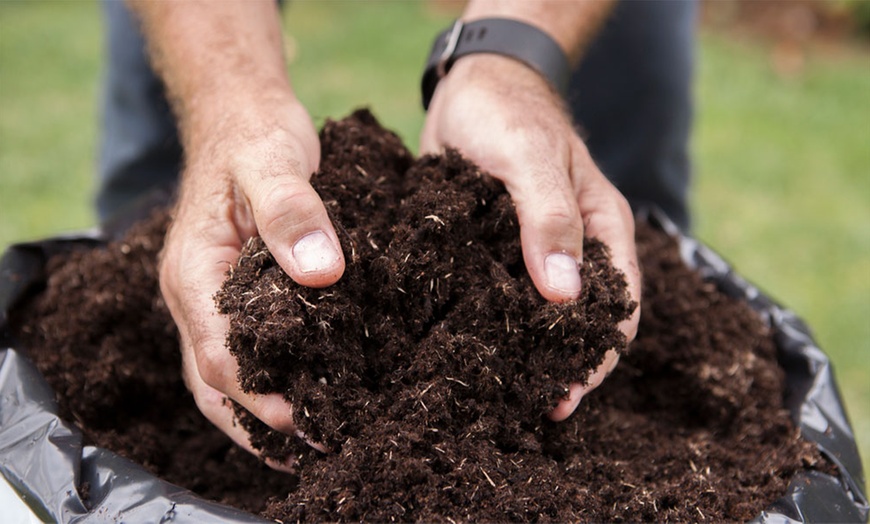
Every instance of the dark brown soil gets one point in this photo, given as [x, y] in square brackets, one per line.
[103, 338]
[429, 368]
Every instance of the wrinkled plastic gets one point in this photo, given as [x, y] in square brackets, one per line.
[812, 397]
[43, 457]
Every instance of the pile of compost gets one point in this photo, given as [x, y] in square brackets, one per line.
[429, 368]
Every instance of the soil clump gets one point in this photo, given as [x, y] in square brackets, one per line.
[429, 368]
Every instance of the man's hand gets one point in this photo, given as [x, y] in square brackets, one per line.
[504, 116]
[250, 148]
[250, 177]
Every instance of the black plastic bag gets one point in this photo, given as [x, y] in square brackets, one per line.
[43, 457]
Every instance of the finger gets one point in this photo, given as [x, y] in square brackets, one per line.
[288, 213]
[204, 330]
[217, 409]
[429, 144]
[578, 390]
[294, 224]
[551, 227]
[610, 219]
[192, 271]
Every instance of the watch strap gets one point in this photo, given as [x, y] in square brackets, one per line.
[502, 36]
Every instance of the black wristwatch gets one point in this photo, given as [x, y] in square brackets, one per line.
[503, 36]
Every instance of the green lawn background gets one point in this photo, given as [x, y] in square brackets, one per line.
[782, 164]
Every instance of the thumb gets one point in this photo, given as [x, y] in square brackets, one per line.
[551, 231]
[294, 224]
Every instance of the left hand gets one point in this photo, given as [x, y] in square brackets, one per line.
[504, 116]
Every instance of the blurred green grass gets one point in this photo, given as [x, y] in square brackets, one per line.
[782, 163]
[783, 192]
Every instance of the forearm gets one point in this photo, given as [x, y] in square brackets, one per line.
[572, 24]
[215, 57]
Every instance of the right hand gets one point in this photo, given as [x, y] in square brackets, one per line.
[517, 130]
[247, 173]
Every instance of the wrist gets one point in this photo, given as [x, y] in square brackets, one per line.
[480, 78]
[516, 40]
[216, 59]
[496, 73]
[236, 116]
[570, 24]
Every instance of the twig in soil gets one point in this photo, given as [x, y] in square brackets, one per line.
[307, 303]
[451, 379]
[491, 483]
[555, 323]
[372, 242]
[256, 297]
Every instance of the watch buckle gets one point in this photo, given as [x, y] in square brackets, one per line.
[449, 49]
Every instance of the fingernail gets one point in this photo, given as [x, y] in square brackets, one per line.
[315, 252]
[287, 466]
[316, 445]
[562, 273]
